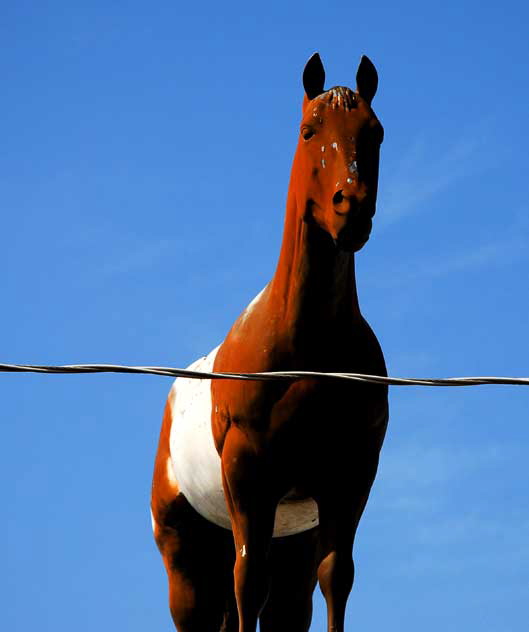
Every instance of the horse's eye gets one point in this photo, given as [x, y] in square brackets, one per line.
[307, 132]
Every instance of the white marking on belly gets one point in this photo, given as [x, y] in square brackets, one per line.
[195, 461]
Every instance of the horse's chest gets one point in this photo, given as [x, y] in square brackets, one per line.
[196, 463]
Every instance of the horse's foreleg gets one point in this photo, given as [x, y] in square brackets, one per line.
[339, 515]
[294, 561]
[252, 513]
[336, 568]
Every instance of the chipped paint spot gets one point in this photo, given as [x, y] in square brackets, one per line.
[153, 522]
[323, 147]
[353, 167]
[323, 163]
[349, 180]
[243, 550]
[338, 183]
[335, 146]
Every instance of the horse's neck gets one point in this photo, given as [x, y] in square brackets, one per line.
[314, 286]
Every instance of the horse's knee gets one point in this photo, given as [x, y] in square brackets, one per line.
[252, 581]
[182, 603]
[336, 571]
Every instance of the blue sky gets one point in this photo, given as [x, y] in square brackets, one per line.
[144, 165]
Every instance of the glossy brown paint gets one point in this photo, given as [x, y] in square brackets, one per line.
[314, 437]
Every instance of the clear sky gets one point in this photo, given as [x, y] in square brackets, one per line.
[144, 161]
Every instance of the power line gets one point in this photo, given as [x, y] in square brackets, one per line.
[270, 375]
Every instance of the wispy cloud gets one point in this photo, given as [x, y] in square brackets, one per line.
[443, 532]
[137, 256]
[506, 248]
[480, 256]
[419, 468]
[425, 168]
[456, 543]
[103, 248]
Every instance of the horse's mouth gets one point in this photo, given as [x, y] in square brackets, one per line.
[354, 234]
[356, 226]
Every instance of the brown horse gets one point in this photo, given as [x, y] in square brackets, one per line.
[288, 466]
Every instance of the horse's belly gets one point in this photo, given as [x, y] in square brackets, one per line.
[196, 463]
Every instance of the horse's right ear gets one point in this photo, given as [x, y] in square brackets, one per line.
[313, 77]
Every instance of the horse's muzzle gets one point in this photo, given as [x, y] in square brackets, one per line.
[355, 233]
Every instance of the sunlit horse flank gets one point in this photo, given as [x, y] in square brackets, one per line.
[232, 452]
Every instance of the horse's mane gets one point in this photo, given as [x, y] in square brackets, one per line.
[338, 97]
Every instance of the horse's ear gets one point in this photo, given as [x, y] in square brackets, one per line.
[313, 77]
[366, 79]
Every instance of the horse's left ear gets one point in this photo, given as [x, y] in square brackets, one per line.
[313, 77]
[366, 79]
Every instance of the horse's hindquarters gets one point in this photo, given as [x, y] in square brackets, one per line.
[196, 463]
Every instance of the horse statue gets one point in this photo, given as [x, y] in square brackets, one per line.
[286, 466]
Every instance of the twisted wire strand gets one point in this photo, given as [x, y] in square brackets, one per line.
[270, 375]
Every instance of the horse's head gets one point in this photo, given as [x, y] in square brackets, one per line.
[335, 171]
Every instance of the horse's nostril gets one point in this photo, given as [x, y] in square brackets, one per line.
[337, 198]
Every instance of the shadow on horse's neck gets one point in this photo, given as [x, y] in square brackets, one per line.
[314, 283]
